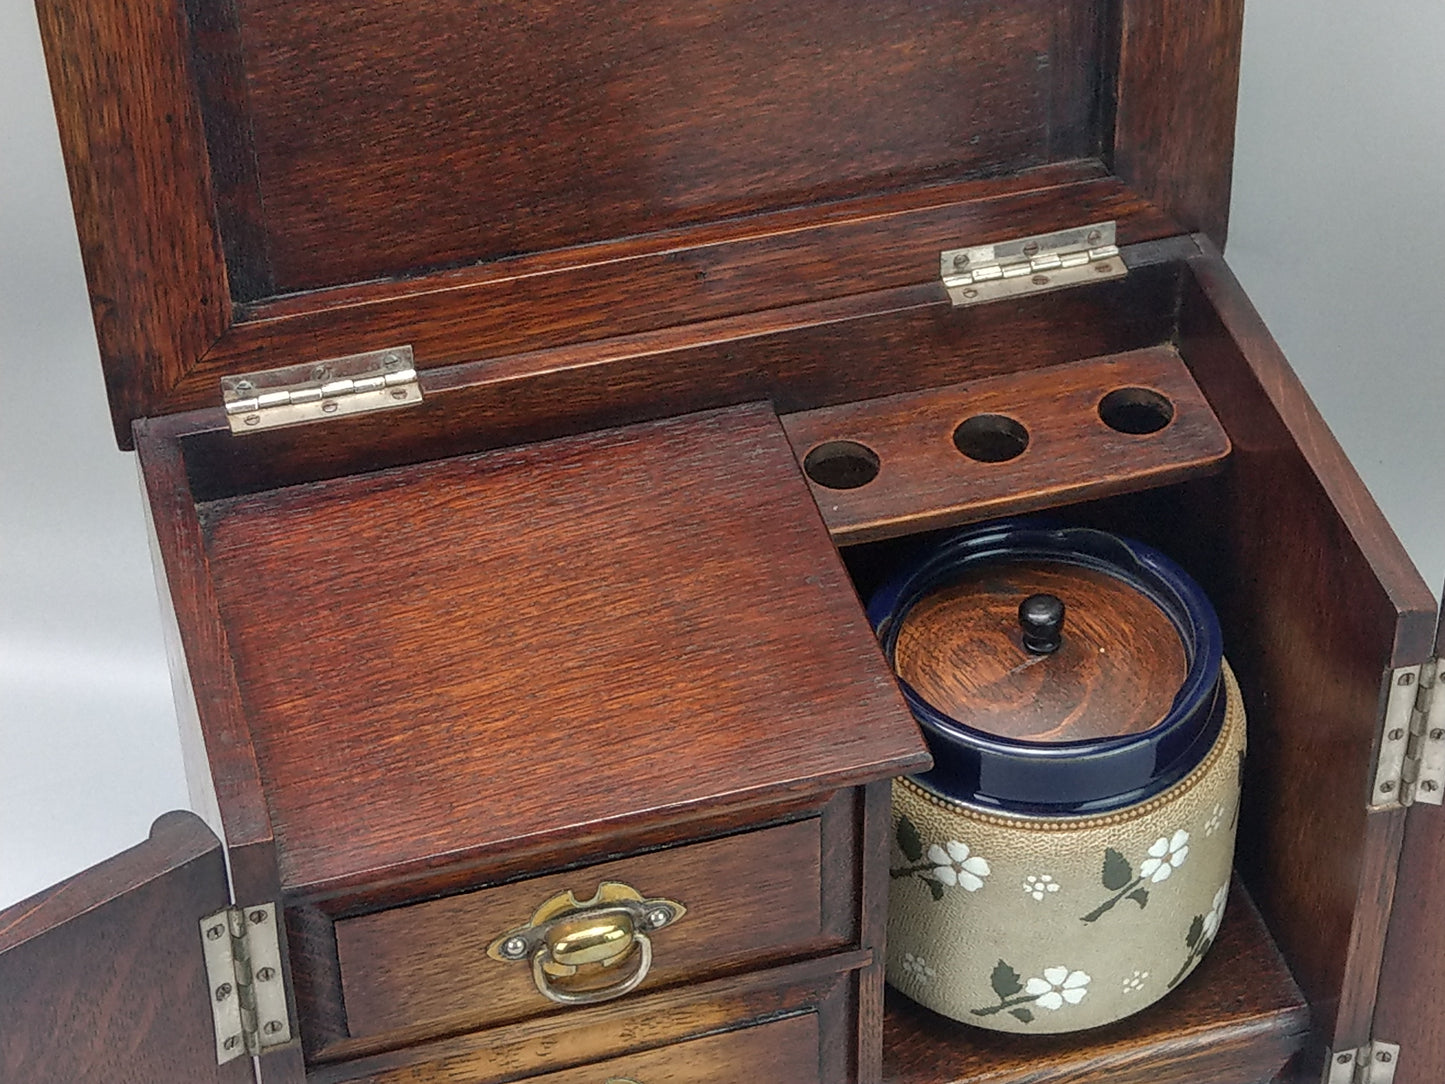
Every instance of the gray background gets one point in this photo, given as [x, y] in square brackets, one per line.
[1336, 232]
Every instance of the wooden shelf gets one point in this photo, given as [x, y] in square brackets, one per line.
[897, 465]
[1237, 1020]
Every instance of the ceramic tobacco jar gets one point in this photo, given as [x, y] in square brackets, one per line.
[1067, 860]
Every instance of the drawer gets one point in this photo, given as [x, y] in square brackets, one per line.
[783, 1051]
[749, 900]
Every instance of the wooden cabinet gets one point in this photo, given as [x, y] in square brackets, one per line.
[634, 341]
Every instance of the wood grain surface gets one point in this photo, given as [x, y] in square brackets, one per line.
[925, 482]
[631, 169]
[786, 1049]
[543, 641]
[102, 977]
[751, 899]
[825, 986]
[1318, 602]
[1178, 77]
[1412, 975]
[1236, 1020]
[1116, 671]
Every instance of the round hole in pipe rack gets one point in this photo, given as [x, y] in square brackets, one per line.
[841, 464]
[991, 438]
[1137, 411]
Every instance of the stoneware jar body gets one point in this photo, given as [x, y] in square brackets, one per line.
[1010, 913]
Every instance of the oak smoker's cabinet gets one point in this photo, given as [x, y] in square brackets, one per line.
[525, 392]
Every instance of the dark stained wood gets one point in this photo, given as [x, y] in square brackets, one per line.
[540, 640]
[1116, 671]
[102, 976]
[437, 133]
[801, 357]
[1314, 592]
[1236, 1020]
[1178, 75]
[1412, 980]
[787, 1049]
[589, 1033]
[135, 156]
[873, 911]
[925, 482]
[751, 899]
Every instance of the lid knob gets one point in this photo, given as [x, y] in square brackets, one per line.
[1041, 617]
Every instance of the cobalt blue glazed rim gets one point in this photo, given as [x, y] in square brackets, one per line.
[1077, 778]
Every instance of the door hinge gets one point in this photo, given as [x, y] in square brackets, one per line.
[1032, 265]
[357, 384]
[242, 947]
[1410, 766]
[1373, 1063]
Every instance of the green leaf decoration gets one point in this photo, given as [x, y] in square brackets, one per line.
[1117, 870]
[1023, 1014]
[1139, 896]
[1006, 981]
[936, 889]
[1196, 931]
[909, 841]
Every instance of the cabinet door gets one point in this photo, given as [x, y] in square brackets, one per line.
[1412, 980]
[102, 977]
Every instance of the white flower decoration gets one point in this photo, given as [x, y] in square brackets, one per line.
[1165, 857]
[1215, 819]
[1216, 914]
[1135, 981]
[954, 866]
[917, 969]
[1038, 886]
[1058, 985]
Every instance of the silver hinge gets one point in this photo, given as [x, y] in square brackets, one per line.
[243, 971]
[1032, 265]
[1410, 767]
[1373, 1063]
[357, 384]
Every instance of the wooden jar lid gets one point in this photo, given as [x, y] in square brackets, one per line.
[1117, 668]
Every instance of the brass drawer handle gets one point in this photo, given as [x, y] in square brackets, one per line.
[587, 952]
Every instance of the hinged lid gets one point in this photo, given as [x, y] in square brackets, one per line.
[264, 183]
[242, 950]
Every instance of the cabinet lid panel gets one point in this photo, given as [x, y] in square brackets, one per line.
[102, 977]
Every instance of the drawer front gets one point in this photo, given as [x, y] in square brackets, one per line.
[750, 899]
[784, 1051]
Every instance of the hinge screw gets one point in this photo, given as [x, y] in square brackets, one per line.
[215, 932]
[1095, 235]
[659, 916]
[223, 991]
[1437, 734]
[252, 419]
[273, 1026]
[398, 393]
[1344, 1059]
[266, 974]
[243, 385]
[1103, 268]
[1031, 249]
[970, 293]
[233, 1042]
[329, 407]
[1406, 679]
[1430, 785]
[961, 261]
[257, 916]
[1397, 734]
[1387, 786]
[1041, 280]
[1385, 1056]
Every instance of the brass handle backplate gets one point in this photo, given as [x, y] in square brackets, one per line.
[584, 952]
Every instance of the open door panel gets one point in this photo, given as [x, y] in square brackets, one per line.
[102, 977]
[1412, 981]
